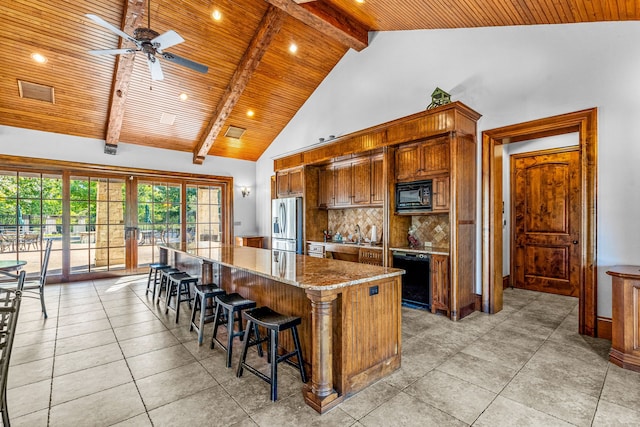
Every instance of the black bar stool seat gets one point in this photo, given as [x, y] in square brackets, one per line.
[154, 271]
[274, 322]
[231, 307]
[202, 293]
[180, 288]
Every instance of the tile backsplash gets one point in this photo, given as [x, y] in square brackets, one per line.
[432, 228]
[344, 221]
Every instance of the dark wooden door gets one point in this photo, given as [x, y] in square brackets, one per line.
[361, 172]
[546, 205]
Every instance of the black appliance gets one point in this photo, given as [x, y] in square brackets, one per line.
[416, 282]
[414, 196]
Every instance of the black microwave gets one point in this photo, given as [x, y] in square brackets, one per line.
[414, 196]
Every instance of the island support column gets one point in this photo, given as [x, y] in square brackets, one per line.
[321, 395]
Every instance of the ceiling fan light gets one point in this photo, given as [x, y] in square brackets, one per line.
[184, 96]
[39, 58]
[293, 48]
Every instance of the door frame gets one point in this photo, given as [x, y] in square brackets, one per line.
[585, 124]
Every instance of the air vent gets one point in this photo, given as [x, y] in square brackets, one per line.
[167, 119]
[35, 91]
[234, 132]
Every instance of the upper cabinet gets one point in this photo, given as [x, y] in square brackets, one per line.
[352, 183]
[422, 160]
[289, 182]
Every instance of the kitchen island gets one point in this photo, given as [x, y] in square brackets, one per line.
[351, 313]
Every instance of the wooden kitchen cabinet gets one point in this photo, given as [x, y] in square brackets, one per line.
[252, 241]
[352, 183]
[289, 183]
[343, 185]
[440, 289]
[440, 192]
[625, 316]
[422, 160]
[377, 180]
[361, 175]
[315, 250]
[326, 192]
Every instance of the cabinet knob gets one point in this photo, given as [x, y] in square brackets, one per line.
[575, 242]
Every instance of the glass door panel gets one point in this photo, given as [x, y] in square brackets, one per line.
[204, 215]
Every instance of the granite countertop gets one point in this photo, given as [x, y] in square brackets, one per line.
[433, 250]
[287, 267]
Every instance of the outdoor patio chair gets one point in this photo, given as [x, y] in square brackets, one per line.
[9, 309]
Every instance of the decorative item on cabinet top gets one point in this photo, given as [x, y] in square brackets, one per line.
[438, 98]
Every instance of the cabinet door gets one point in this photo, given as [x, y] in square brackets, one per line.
[361, 182]
[377, 181]
[440, 193]
[408, 162]
[440, 283]
[434, 156]
[282, 184]
[296, 182]
[325, 187]
[343, 185]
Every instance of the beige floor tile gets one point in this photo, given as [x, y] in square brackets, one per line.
[132, 318]
[85, 359]
[35, 325]
[293, 411]
[144, 344]
[609, 415]
[507, 413]
[79, 308]
[32, 352]
[82, 342]
[35, 337]
[139, 329]
[622, 387]
[198, 410]
[451, 395]
[84, 300]
[126, 309]
[89, 381]
[34, 419]
[174, 384]
[404, 410]
[30, 372]
[103, 408]
[26, 316]
[141, 420]
[157, 361]
[553, 398]
[29, 398]
[83, 328]
[367, 400]
[89, 316]
[492, 349]
[478, 371]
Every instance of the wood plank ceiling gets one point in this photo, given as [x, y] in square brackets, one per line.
[247, 52]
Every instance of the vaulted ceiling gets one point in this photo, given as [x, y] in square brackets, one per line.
[247, 51]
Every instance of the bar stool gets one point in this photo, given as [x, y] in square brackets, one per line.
[180, 287]
[202, 294]
[231, 306]
[274, 322]
[164, 281]
[154, 270]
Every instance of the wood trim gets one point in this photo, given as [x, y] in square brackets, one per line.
[269, 27]
[132, 17]
[478, 302]
[585, 123]
[440, 121]
[506, 281]
[604, 328]
[329, 21]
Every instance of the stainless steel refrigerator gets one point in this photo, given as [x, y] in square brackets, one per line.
[286, 224]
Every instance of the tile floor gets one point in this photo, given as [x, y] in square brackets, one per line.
[104, 357]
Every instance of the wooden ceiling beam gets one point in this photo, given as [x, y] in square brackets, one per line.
[132, 17]
[268, 28]
[328, 20]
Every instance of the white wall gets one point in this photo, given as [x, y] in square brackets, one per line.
[30, 143]
[508, 74]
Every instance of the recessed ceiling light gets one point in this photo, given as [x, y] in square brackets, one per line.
[293, 48]
[184, 96]
[250, 113]
[216, 14]
[359, 1]
[39, 58]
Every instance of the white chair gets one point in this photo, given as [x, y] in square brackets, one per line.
[36, 286]
[9, 309]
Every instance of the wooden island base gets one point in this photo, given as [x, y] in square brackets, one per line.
[351, 313]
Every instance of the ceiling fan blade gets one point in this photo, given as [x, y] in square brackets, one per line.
[185, 62]
[166, 40]
[110, 27]
[111, 51]
[154, 68]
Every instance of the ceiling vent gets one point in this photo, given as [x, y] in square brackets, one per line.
[167, 119]
[234, 132]
[35, 91]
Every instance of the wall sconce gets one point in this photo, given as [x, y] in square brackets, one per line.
[245, 191]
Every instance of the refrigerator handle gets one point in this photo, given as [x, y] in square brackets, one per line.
[283, 217]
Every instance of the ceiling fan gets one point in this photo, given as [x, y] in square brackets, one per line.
[151, 44]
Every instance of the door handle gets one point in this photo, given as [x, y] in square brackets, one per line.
[575, 242]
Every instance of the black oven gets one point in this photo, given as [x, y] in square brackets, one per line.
[416, 282]
[414, 196]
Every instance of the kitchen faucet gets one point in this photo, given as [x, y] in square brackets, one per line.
[359, 234]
